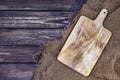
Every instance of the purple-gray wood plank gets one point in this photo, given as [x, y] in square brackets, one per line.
[15, 54]
[28, 36]
[64, 5]
[35, 19]
[17, 71]
[24, 26]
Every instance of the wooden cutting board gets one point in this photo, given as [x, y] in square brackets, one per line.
[85, 44]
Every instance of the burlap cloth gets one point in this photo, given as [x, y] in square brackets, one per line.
[108, 65]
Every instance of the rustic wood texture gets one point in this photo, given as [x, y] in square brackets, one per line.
[35, 19]
[42, 5]
[27, 36]
[85, 44]
[17, 71]
[18, 54]
[24, 26]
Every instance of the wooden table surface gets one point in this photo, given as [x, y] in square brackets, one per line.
[24, 25]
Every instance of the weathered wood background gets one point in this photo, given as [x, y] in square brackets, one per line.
[24, 25]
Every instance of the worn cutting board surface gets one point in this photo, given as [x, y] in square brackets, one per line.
[85, 44]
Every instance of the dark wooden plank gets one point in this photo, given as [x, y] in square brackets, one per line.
[19, 50]
[70, 5]
[17, 71]
[17, 58]
[18, 54]
[28, 36]
[34, 19]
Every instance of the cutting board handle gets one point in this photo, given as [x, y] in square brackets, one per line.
[102, 15]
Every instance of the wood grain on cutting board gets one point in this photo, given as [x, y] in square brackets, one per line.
[85, 44]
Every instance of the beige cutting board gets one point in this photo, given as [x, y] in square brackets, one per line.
[85, 44]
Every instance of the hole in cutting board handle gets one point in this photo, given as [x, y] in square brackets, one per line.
[102, 15]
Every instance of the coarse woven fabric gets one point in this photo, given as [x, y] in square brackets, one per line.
[108, 65]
